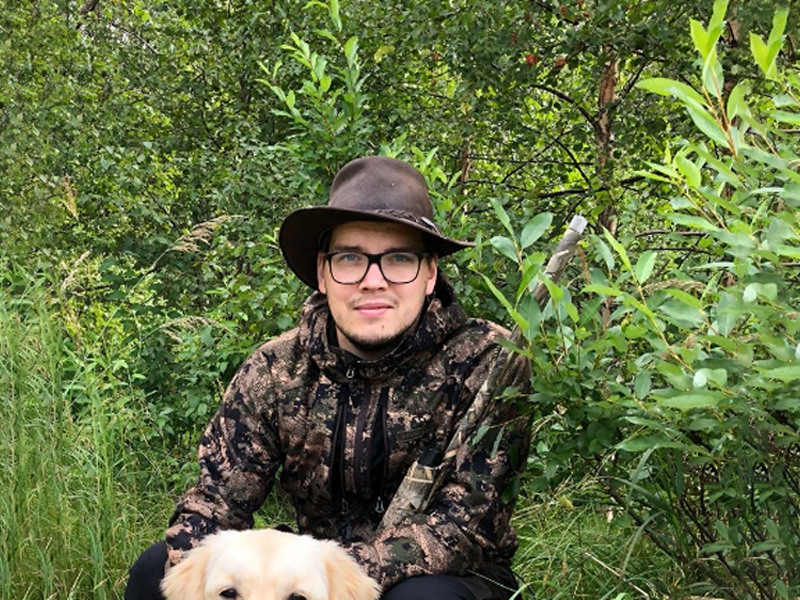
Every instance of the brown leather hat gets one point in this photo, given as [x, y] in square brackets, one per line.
[373, 188]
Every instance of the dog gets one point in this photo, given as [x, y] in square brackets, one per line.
[267, 564]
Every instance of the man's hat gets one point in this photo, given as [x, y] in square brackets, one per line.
[373, 188]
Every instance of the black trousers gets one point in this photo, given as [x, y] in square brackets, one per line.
[148, 570]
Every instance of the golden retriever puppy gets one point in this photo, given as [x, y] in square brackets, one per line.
[265, 564]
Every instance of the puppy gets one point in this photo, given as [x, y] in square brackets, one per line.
[266, 564]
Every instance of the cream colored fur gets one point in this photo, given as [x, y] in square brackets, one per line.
[265, 564]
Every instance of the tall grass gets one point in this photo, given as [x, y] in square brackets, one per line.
[586, 551]
[79, 499]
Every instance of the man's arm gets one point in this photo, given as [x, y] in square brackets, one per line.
[239, 455]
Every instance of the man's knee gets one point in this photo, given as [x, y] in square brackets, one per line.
[146, 574]
[430, 587]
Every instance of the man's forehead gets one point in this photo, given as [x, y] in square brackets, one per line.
[357, 232]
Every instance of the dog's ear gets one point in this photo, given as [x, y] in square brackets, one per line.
[346, 579]
[186, 580]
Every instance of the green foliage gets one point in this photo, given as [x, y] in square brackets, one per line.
[328, 122]
[673, 374]
[149, 151]
[80, 491]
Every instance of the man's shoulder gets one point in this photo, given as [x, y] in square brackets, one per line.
[481, 329]
[280, 350]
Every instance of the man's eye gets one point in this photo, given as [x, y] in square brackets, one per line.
[229, 593]
[401, 258]
[348, 258]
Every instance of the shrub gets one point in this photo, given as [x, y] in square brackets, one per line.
[673, 374]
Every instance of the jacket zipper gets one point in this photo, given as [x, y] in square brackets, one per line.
[378, 488]
[360, 470]
[343, 413]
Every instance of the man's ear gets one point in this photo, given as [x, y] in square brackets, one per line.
[186, 580]
[433, 265]
[321, 272]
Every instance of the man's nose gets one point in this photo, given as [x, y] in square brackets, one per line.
[374, 277]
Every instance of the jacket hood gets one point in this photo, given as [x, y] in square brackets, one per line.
[442, 316]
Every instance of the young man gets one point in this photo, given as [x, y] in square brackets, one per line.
[383, 365]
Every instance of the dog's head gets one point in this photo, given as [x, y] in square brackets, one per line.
[266, 564]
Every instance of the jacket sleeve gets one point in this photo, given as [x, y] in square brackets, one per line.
[238, 455]
[466, 526]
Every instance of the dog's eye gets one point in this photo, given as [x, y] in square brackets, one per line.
[296, 597]
[229, 593]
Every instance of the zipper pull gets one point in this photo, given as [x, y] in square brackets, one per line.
[348, 524]
[351, 371]
[379, 508]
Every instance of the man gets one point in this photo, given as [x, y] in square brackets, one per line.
[383, 365]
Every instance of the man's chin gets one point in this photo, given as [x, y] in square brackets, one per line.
[376, 347]
[373, 347]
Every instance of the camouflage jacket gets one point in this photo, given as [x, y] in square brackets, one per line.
[299, 397]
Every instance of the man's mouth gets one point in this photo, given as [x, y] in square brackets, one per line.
[373, 309]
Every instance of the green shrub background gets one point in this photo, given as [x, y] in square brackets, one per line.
[149, 153]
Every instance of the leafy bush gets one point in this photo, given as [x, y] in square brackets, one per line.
[673, 374]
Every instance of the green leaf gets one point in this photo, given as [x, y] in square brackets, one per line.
[649, 442]
[644, 266]
[534, 229]
[501, 213]
[785, 374]
[505, 246]
[682, 315]
[480, 434]
[760, 52]
[325, 83]
[641, 384]
[670, 87]
[623, 254]
[713, 76]
[692, 400]
[737, 104]
[775, 41]
[723, 168]
[521, 321]
[785, 117]
[606, 253]
[335, 15]
[685, 298]
[718, 16]
[693, 222]
[555, 291]
[716, 376]
[689, 170]
[327, 34]
[384, 50]
[707, 124]
[700, 38]
[598, 288]
[351, 49]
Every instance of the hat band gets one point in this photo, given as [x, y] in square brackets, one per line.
[407, 216]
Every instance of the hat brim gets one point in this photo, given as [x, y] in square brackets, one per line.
[301, 231]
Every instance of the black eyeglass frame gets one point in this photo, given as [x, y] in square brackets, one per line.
[375, 259]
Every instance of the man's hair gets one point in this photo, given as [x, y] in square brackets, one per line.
[325, 240]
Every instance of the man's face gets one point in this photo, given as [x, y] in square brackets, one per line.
[373, 314]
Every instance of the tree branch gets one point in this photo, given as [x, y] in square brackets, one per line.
[567, 99]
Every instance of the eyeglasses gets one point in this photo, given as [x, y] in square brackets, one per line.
[350, 268]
